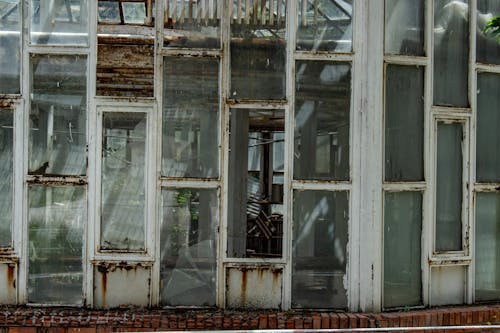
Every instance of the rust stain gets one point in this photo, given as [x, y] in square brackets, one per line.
[10, 276]
[244, 282]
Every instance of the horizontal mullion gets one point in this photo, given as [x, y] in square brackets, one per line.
[404, 186]
[450, 111]
[56, 180]
[325, 56]
[237, 262]
[487, 187]
[321, 185]
[190, 53]
[109, 104]
[57, 50]
[487, 68]
[256, 104]
[185, 182]
[405, 60]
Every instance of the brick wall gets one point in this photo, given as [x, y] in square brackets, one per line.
[72, 320]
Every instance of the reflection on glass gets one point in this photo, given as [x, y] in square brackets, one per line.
[10, 57]
[451, 52]
[6, 156]
[402, 238]
[487, 242]
[134, 12]
[449, 187]
[108, 12]
[258, 50]
[189, 247]
[191, 118]
[324, 25]
[59, 22]
[255, 216]
[487, 49]
[56, 220]
[404, 123]
[319, 257]
[322, 113]
[58, 115]
[404, 27]
[488, 128]
[123, 181]
[191, 23]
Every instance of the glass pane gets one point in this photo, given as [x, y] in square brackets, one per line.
[58, 115]
[108, 12]
[322, 113]
[320, 236]
[6, 163]
[404, 123]
[449, 187]
[10, 57]
[258, 50]
[56, 219]
[402, 248]
[487, 49]
[487, 247]
[190, 146]
[488, 128]
[325, 25]
[404, 27]
[191, 23]
[451, 52]
[59, 22]
[134, 12]
[123, 181]
[189, 247]
[255, 216]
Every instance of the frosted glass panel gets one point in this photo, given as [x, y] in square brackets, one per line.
[449, 187]
[451, 53]
[404, 27]
[402, 248]
[10, 56]
[487, 246]
[404, 123]
[189, 247]
[487, 49]
[320, 235]
[6, 170]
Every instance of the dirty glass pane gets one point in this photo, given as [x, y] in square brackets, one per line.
[123, 181]
[193, 24]
[451, 52]
[134, 12]
[57, 121]
[319, 258]
[108, 12]
[56, 219]
[255, 210]
[322, 113]
[10, 56]
[404, 27]
[402, 248]
[59, 22]
[325, 25]
[190, 145]
[449, 187]
[488, 128]
[404, 123]
[258, 50]
[6, 163]
[487, 246]
[189, 247]
[487, 49]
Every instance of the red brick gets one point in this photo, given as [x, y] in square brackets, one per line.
[22, 329]
[290, 323]
[343, 320]
[86, 330]
[103, 329]
[298, 322]
[334, 321]
[262, 321]
[316, 321]
[308, 323]
[272, 321]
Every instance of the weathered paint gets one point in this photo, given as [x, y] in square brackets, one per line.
[254, 287]
[8, 273]
[448, 285]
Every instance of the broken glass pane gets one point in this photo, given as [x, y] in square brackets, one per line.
[59, 22]
[319, 257]
[255, 216]
[402, 248]
[56, 220]
[123, 181]
[57, 121]
[191, 118]
[487, 49]
[449, 187]
[10, 56]
[404, 123]
[404, 27]
[193, 24]
[487, 247]
[488, 128]
[322, 120]
[189, 247]
[258, 50]
[451, 53]
[325, 25]
[6, 156]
